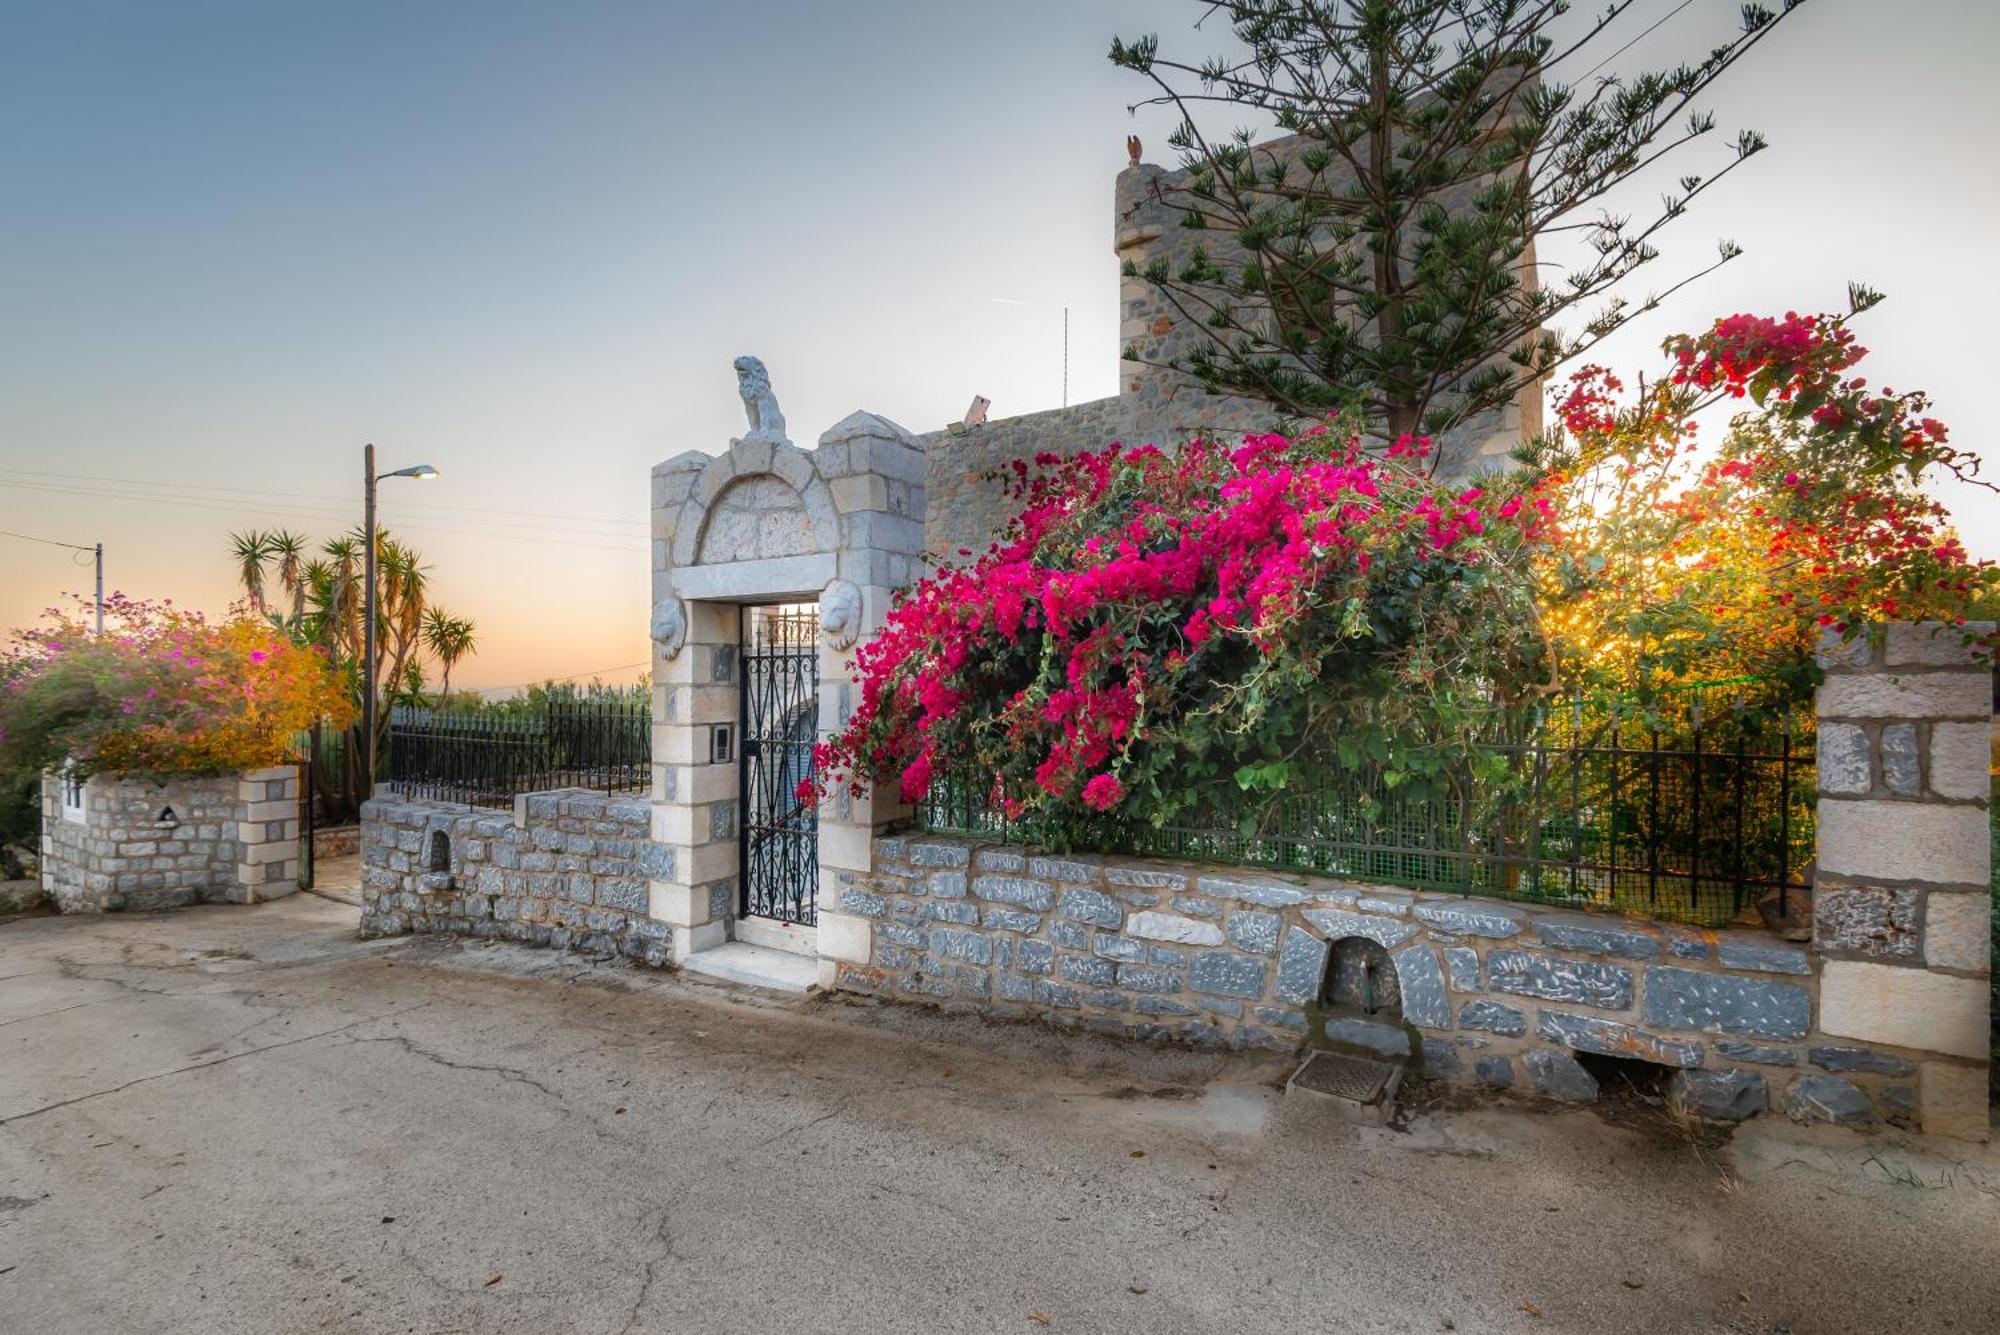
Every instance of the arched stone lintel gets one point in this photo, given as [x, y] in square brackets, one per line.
[748, 459]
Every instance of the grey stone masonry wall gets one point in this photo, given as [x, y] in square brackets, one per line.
[567, 869]
[1492, 993]
[1903, 901]
[140, 843]
[1154, 404]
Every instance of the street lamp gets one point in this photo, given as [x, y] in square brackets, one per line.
[422, 473]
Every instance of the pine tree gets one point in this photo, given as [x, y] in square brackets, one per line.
[1380, 261]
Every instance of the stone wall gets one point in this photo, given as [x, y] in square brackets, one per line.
[151, 844]
[1903, 905]
[964, 471]
[1154, 405]
[567, 869]
[1497, 994]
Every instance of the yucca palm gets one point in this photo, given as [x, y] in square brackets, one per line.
[288, 550]
[252, 549]
[448, 638]
[328, 598]
[343, 597]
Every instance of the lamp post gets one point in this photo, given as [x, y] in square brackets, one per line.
[423, 473]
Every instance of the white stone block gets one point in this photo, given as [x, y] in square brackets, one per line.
[830, 461]
[1934, 644]
[695, 784]
[681, 824]
[846, 847]
[1958, 930]
[1155, 926]
[1904, 1007]
[678, 905]
[1961, 760]
[778, 577]
[752, 457]
[713, 623]
[682, 743]
[1954, 1101]
[864, 425]
[1926, 695]
[1904, 841]
[715, 478]
[692, 940]
[715, 703]
[263, 811]
[861, 491]
[842, 936]
[793, 466]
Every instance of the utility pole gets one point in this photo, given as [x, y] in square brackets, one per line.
[422, 473]
[368, 622]
[98, 551]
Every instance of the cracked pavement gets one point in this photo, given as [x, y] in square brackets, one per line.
[246, 1119]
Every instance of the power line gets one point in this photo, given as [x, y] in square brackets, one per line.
[1634, 42]
[29, 537]
[326, 512]
[217, 488]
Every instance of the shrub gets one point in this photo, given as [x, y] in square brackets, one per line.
[1158, 634]
[1669, 560]
[1162, 639]
[163, 691]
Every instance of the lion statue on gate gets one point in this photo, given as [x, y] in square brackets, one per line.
[760, 405]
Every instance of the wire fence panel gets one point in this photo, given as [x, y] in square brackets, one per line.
[487, 759]
[1691, 807]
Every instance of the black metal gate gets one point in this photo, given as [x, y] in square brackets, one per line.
[779, 828]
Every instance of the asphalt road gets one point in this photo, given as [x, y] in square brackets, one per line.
[245, 1119]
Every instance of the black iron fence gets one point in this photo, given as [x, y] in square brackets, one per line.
[1693, 806]
[486, 758]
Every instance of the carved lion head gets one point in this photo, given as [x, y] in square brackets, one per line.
[751, 375]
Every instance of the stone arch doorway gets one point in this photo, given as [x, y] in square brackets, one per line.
[812, 543]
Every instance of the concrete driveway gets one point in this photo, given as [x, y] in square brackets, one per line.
[245, 1119]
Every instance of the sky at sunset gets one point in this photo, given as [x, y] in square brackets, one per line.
[523, 242]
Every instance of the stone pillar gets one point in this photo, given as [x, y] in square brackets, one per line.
[1902, 904]
[267, 830]
[766, 522]
[875, 471]
[691, 861]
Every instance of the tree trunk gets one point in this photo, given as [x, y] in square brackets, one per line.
[1401, 407]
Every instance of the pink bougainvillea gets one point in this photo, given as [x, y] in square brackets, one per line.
[1156, 633]
[1151, 619]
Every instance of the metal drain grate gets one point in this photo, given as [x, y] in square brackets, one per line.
[1344, 1077]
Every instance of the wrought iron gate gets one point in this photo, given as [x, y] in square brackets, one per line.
[779, 829]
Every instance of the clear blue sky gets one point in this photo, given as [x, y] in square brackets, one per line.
[524, 241]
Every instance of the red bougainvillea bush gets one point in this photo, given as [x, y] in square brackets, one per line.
[1156, 637]
[1154, 633]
